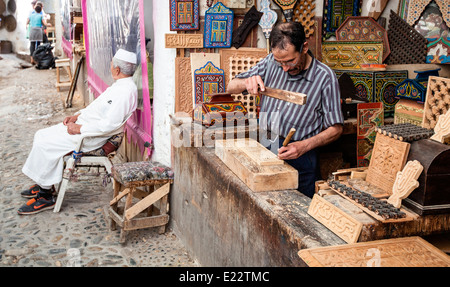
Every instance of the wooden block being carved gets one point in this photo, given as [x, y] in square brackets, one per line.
[184, 41]
[399, 252]
[342, 224]
[405, 182]
[255, 173]
[388, 157]
[296, 98]
[442, 129]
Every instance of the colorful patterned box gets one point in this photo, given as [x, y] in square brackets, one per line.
[221, 110]
[377, 86]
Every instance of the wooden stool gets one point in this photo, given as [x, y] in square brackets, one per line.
[155, 203]
[62, 63]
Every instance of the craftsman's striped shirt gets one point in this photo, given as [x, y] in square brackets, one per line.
[322, 109]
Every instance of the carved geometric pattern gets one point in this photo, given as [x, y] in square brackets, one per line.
[388, 157]
[346, 55]
[415, 9]
[356, 28]
[342, 224]
[304, 13]
[184, 15]
[403, 38]
[405, 182]
[437, 102]
[398, 252]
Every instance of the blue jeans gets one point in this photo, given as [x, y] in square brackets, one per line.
[308, 170]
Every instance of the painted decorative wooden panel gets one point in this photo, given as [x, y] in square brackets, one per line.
[268, 20]
[208, 80]
[377, 86]
[439, 51]
[356, 28]
[218, 26]
[184, 15]
[350, 55]
[370, 116]
[408, 111]
[335, 12]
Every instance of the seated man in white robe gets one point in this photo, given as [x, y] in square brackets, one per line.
[45, 162]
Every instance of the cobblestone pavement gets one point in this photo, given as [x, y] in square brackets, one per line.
[79, 234]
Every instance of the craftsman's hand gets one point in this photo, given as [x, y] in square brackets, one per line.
[254, 84]
[71, 119]
[293, 150]
[73, 129]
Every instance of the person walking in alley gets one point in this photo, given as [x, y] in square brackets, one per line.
[36, 24]
[44, 164]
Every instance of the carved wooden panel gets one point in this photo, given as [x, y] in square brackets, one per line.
[405, 182]
[304, 12]
[399, 252]
[437, 101]
[342, 224]
[388, 157]
[183, 85]
[235, 61]
[415, 9]
[208, 80]
[218, 26]
[184, 41]
[346, 55]
[408, 111]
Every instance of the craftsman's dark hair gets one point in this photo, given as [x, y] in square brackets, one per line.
[287, 33]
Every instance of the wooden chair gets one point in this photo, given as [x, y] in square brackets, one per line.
[62, 63]
[151, 207]
[77, 159]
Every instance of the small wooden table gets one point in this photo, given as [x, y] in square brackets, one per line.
[151, 207]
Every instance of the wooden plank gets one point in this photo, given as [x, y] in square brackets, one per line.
[257, 177]
[184, 41]
[262, 156]
[115, 217]
[119, 196]
[342, 224]
[399, 252]
[296, 98]
[146, 202]
[146, 222]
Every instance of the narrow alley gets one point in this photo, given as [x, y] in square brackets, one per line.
[79, 235]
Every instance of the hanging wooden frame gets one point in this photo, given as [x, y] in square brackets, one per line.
[184, 15]
[218, 26]
[208, 80]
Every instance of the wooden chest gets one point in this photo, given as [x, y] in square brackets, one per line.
[433, 194]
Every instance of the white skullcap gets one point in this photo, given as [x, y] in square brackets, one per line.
[126, 56]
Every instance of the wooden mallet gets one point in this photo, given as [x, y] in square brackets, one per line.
[289, 136]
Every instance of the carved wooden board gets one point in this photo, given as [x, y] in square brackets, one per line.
[388, 157]
[184, 41]
[253, 172]
[183, 85]
[342, 224]
[442, 128]
[400, 252]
